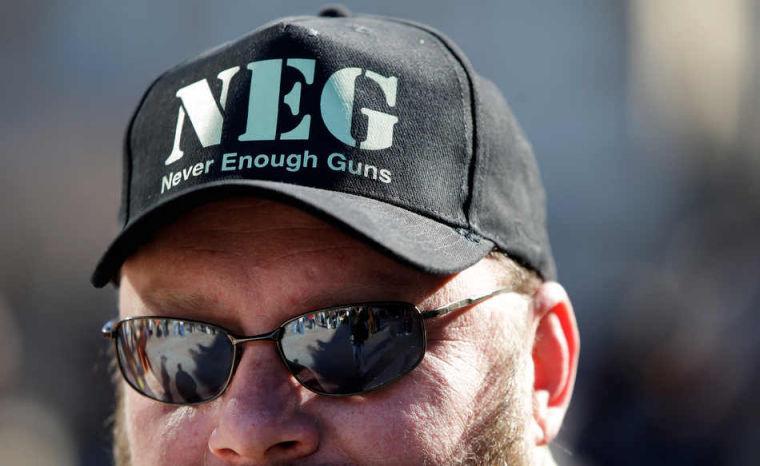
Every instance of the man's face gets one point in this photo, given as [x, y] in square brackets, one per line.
[248, 265]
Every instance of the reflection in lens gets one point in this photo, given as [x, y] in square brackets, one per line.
[354, 349]
[173, 360]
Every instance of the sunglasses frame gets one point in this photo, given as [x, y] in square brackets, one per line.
[111, 328]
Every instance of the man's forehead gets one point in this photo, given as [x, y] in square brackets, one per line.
[265, 232]
[212, 265]
[246, 213]
[256, 248]
[248, 224]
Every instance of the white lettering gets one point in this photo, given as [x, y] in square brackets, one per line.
[166, 183]
[337, 161]
[385, 175]
[264, 100]
[198, 169]
[337, 99]
[201, 107]
[174, 178]
[228, 161]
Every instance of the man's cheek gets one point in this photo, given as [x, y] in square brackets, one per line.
[424, 416]
[160, 434]
[457, 366]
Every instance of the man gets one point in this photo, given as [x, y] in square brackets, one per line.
[318, 176]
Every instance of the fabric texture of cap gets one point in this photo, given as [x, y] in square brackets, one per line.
[378, 125]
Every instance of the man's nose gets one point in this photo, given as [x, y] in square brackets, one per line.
[260, 420]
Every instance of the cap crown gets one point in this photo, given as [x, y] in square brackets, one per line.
[377, 107]
[358, 105]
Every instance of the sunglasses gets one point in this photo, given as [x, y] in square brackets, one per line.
[337, 351]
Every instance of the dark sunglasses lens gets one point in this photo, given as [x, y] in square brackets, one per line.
[354, 349]
[174, 361]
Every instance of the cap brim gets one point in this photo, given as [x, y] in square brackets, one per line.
[414, 239]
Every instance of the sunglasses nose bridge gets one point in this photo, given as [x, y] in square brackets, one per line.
[274, 335]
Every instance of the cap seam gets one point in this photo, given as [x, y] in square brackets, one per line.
[478, 179]
[454, 57]
[238, 37]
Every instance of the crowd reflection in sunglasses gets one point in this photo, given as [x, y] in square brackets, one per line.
[351, 348]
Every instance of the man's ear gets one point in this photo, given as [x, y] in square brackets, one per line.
[555, 359]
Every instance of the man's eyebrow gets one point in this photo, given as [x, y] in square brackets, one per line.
[167, 300]
[190, 305]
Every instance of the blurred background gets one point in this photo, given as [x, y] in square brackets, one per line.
[645, 118]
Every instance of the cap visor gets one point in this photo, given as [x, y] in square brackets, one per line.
[414, 239]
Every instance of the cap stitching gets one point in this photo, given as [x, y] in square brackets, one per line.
[479, 175]
[450, 57]
[469, 120]
[470, 235]
[468, 129]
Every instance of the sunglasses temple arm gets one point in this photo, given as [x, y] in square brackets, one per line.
[461, 304]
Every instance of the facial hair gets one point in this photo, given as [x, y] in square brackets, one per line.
[498, 436]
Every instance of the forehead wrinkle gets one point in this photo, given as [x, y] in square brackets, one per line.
[235, 238]
[265, 261]
[262, 252]
[237, 229]
[290, 254]
[224, 239]
[190, 301]
[240, 213]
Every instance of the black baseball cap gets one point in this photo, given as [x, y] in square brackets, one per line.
[379, 125]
